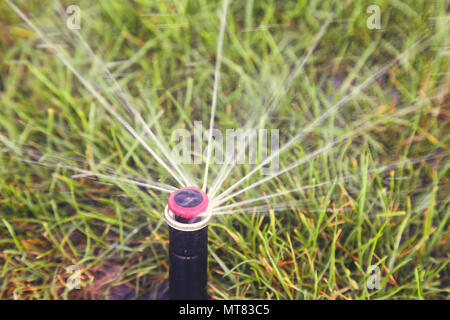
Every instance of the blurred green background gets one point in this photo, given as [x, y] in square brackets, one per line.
[393, 214]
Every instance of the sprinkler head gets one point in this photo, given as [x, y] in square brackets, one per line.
[187, 204]
[188, 218]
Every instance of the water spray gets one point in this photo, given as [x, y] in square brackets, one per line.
[188, 219]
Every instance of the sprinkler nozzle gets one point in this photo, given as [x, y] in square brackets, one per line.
[187, 204]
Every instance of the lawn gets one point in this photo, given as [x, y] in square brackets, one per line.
[363, 113]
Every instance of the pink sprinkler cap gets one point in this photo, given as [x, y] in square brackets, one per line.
[188, 202]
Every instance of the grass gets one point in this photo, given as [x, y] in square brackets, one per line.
[393, 214]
